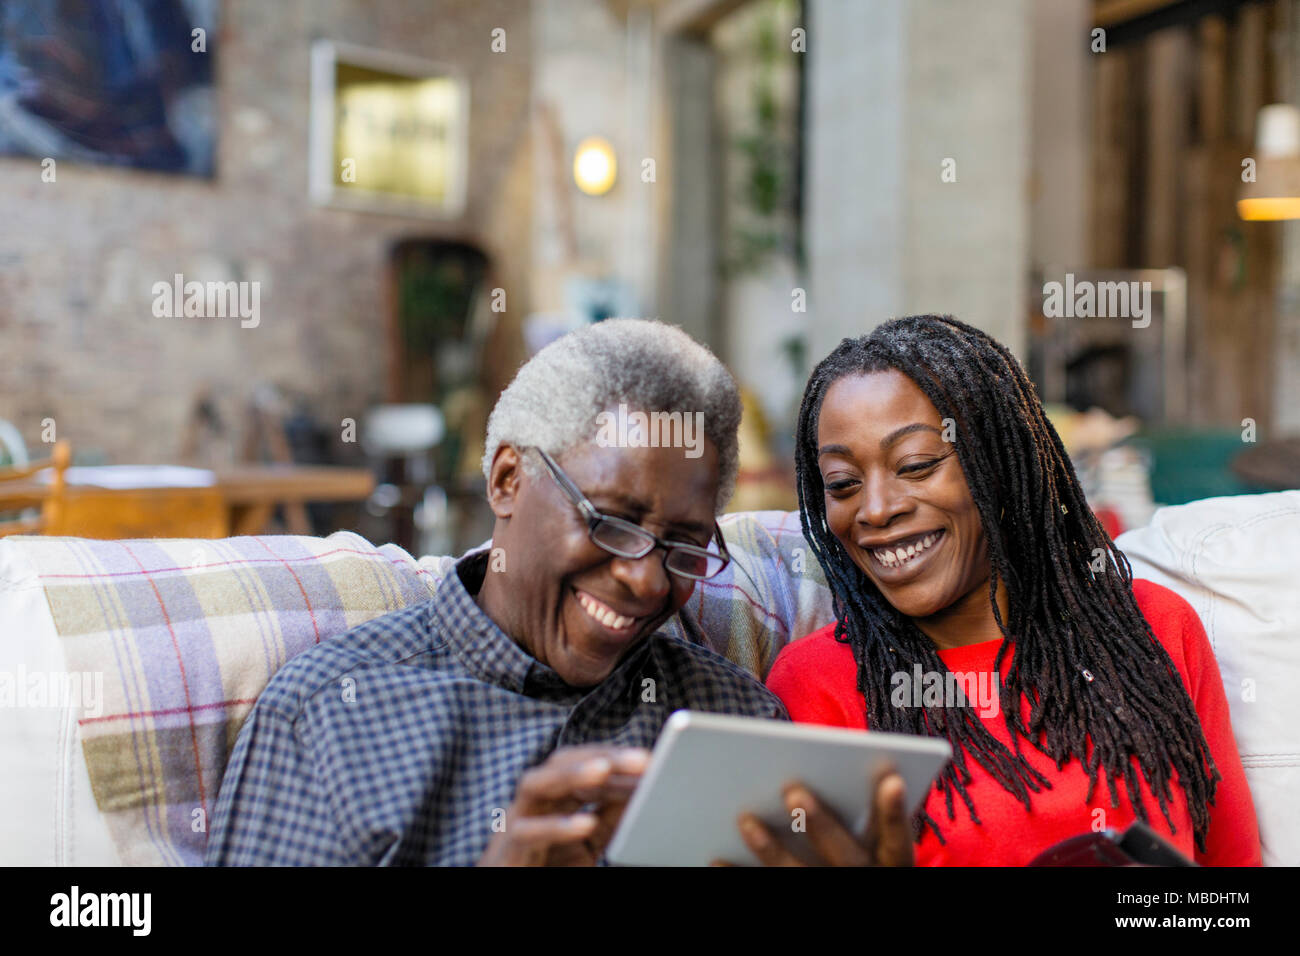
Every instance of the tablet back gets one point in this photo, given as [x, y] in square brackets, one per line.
[707, 769]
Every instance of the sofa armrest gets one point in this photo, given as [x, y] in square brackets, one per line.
[179, 637]
[48, 815]
[1236, 560]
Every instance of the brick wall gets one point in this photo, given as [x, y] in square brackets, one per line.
[78, 257]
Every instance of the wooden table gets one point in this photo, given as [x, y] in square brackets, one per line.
[241, 501]
[1272, 464]
[251, 492]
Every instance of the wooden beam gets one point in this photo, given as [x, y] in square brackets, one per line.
[1249, 55]
[1211, 79]
[1111, 152]
[1107, 13]
[1168, 55]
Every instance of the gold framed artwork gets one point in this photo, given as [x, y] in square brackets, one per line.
[389, 132]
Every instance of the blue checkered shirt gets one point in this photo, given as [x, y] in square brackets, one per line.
[402, 741]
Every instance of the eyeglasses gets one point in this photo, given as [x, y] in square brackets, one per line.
[627, 540]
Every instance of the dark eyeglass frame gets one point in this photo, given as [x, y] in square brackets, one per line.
[595, 519]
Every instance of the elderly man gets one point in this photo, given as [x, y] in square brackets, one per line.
[506, 720]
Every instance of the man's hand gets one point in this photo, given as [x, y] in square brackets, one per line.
[887, 842]
[543, 826]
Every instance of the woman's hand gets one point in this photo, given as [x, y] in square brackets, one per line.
[887, 842]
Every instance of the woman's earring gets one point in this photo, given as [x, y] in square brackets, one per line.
[1003, 514]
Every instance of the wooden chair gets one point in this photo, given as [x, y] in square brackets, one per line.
[17, 494]
[144, 513]
[106, 513]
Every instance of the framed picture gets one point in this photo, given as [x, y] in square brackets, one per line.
[389, 132]
[129, 83]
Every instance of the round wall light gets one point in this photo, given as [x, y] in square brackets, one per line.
[594, 166]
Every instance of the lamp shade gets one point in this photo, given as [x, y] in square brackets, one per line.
[1275, 192]
[402, 429]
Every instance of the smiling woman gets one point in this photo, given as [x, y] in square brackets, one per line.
[955, 538]
[928, 566]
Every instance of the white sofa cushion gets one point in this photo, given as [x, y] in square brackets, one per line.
[1236, 560]
[48, 815]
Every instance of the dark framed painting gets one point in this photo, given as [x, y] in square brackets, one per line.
[123, 83]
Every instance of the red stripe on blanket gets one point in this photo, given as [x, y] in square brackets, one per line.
[732, 586]
[233, 562]
[297, 581]
[169, 712]
[194, 736]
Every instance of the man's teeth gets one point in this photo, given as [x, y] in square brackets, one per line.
[603, 613]
[893, 557]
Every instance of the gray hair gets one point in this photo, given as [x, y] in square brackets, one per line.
[557, 397]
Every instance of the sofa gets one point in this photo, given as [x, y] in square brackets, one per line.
[171, 641]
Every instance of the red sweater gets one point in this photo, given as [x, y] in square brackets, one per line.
[816, 677]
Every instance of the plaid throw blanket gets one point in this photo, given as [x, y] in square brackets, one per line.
[772, 593]
[187, 633]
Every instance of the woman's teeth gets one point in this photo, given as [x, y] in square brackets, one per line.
[901, 554]
[604, 613]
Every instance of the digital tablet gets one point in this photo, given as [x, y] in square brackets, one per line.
[707, 768]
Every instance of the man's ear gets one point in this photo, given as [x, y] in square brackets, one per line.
[504, 480]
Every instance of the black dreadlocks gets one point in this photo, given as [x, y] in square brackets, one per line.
[1085, 659]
